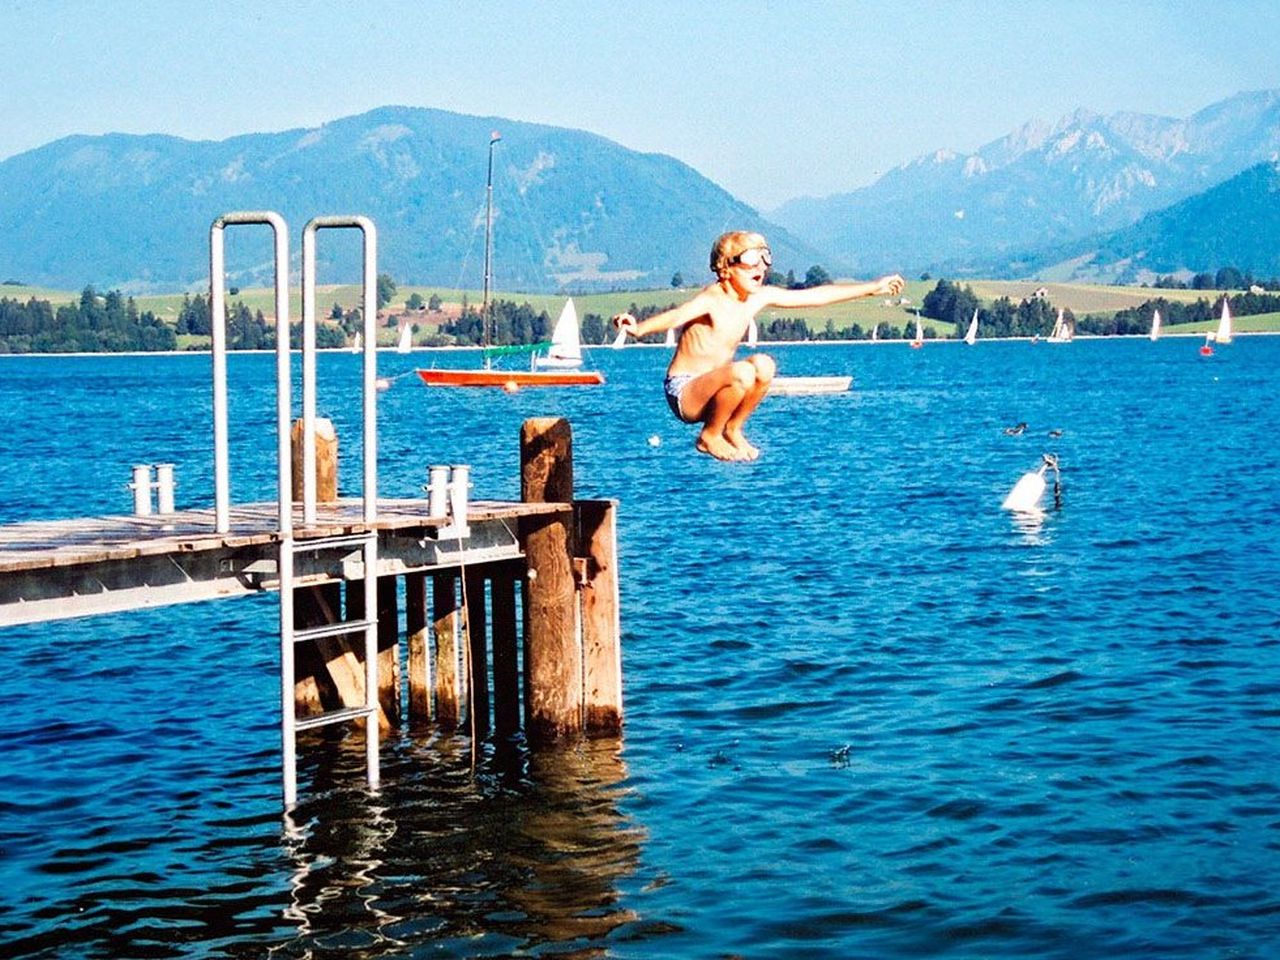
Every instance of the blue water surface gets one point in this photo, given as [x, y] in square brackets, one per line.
[868, 713]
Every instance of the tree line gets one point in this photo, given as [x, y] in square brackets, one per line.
[951, 303]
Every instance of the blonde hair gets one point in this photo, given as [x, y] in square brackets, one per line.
[731, 244]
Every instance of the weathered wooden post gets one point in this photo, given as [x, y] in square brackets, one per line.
[419, 662]
[553, 657]
[477, 684]
[388, 643]
[444, 618]
[326, 461]
[601, 632]
[506, 651]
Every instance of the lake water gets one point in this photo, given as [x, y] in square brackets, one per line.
[868, 713]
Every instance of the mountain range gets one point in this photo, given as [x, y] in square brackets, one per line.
[1042, 187]
[571, 209]
[1121, 197]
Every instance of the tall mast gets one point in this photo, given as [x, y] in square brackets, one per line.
[494, 137]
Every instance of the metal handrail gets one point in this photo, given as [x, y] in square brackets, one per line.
[218, 324]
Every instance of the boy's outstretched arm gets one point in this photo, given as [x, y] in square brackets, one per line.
[828, 293]
[675, 317]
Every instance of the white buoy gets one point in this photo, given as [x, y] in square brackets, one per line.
[655, 441]
[1026, 493]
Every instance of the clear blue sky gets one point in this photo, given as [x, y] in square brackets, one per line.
[769, 100]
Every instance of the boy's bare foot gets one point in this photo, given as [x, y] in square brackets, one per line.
[718, 447]
[740, 443]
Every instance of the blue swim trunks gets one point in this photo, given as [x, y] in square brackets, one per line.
[673, 386]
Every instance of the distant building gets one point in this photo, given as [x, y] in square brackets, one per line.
[1041, 293]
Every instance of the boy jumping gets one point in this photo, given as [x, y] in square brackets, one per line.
[704, 383]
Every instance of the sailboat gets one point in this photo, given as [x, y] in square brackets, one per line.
[1061, 330]
[504, 379]
[1155, 325]
[670, 339]
[1222, 334]
[565, 352]
[405, 343]
[358, 344]
[918, 341]
[753, 333]
[875, 331]
[971, 335]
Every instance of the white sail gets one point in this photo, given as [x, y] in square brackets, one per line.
[919, 337]
[405, 344]
[1155, 325]
[1223, 334]
[875, 331]
[566, 344]
[971, 335]
[670, 339]
[753, 333]
[358, 344]
[1061, 330]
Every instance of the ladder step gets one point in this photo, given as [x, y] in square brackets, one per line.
[331, 630]
[331, 543]
[334, 716]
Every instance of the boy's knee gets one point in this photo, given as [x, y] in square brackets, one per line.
[764, 365]
[744, 374]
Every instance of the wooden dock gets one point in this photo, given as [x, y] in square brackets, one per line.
[511, 623]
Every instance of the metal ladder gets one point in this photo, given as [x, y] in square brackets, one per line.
[290, 546]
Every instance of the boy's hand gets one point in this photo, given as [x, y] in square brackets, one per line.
[892, 285]
[625, 322]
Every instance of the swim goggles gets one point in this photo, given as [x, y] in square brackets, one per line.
[754, 257]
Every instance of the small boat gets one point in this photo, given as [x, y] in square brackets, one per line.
[805, 386]
[508, 380]
[1061, 330]
[875, 331]
[670, 339]
[405, 343]
[1221, 335]
[918, 341]
[1155, 325]
[971, 335]
[565, 351]
[358, 344]
[753, 333]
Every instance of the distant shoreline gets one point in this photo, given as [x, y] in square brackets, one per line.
[763, 345]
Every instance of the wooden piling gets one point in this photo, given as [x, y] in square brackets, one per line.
[506, 651]
[388, 643]
[326, 461]
[601, 640]
[419, 661]
[553, 656]
[477, 674]
[444, 618]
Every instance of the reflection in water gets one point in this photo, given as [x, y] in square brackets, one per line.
[1030, 523]
[525, 850]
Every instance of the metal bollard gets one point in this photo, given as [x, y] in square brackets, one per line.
[459, 488]
[438, 492]
[164, 488]
[141, 487]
